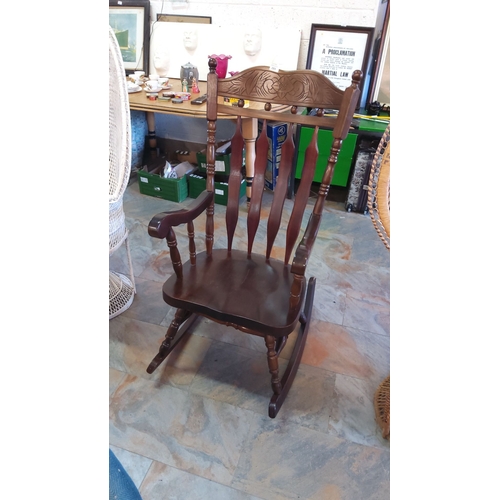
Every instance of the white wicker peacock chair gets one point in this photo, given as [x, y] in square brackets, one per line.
[379, 207]
[121, 288]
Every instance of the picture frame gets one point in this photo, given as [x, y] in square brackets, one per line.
[337, 51]
[130, 21]
[174, 18]
[380, 73]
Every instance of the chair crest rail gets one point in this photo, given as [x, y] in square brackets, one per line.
[310, 88]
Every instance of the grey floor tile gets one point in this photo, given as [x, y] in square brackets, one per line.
[310, 399]
[169, 425]
[115, 377]
[367, 313]
[353, 413]
[148, 304]
[285, 461]
[135, 465]
[329, 304]
[365, 246]
[165, 482]
[335, 245]
[346, 351]
[241, 377]
[355, 277]
[375, 351]
[145, 207]
[158, 267]
[134, 344]
[235, 375]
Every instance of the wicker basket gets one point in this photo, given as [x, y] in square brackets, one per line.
[382, 403]
[379, 206]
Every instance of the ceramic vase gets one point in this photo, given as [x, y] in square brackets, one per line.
[222, 61]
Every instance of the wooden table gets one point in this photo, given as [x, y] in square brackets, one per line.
[138, 101]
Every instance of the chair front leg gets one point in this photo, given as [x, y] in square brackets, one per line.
[181, 317]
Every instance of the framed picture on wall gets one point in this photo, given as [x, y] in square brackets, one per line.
[130, 22]
[380, 72]
[337, 51]
[173, 18]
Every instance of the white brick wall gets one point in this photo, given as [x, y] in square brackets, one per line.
[270, 13]
[274, 13]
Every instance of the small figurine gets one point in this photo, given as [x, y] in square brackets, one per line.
[194, 87]
[184, 85]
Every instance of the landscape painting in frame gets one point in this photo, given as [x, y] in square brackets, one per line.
[129, 21]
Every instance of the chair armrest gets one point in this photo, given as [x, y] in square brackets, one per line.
[305, 246]
[161, 223]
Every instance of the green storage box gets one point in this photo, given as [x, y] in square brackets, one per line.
[198, 183]
[152, 184]
[222, 163]
[372, 126]
[344, 160]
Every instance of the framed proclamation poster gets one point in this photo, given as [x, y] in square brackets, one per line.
[337, 51]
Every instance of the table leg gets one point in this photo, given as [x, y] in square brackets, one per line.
[249, 131]
[150, 117]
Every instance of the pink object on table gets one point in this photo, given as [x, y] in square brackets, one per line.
[222, 61]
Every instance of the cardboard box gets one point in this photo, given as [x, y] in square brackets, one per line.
[197, 183]
[276, 136]
[189, 156]
[271, 175]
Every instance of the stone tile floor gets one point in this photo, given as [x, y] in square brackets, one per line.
[198, 426]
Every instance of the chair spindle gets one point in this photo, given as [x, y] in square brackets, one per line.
[279, 195]
[261, 149]
[234, 184]
[310, 159]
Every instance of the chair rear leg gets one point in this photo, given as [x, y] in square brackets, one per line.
[272, 361]
[293, 365]
[182, 317]
[280, 344]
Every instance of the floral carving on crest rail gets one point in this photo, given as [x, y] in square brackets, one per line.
[287, 87]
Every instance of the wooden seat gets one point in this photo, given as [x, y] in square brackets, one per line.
[251, 291]
[258, 294]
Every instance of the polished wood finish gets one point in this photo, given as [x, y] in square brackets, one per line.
[258, 294]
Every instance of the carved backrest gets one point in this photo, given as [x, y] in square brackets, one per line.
[279, 97]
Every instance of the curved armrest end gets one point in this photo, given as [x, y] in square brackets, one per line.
[161, 223]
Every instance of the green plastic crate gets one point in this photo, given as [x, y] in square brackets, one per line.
[372, 126]
[151, 184]
[222, 163]
[198, 183]
[344, 160]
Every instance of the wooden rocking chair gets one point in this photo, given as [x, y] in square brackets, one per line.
[257, 294]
